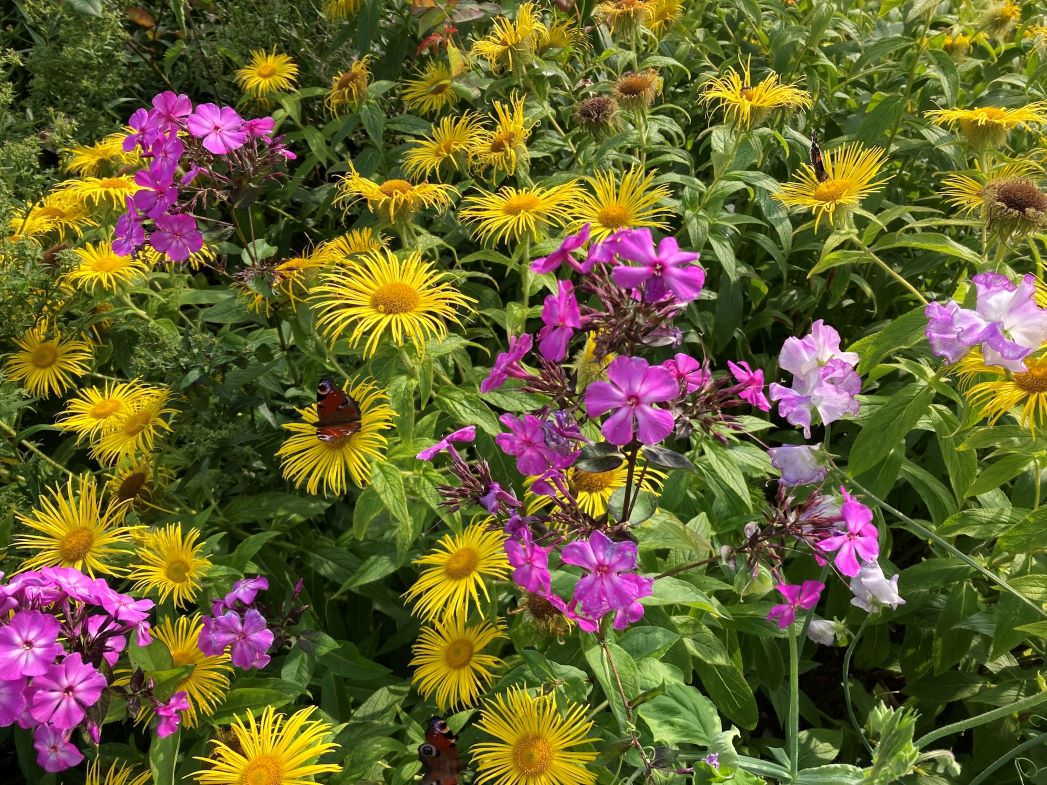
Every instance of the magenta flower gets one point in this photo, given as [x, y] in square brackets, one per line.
[800, 464]
[71, 581]
[61, 696]
[800, 356]
[561, 317]
[28, 645]
[584, 622]
[177, 237]
[805, 596]
[145, 131]
[54, 751]
[526, 441]
[12, 701]
[662, 270]
[859, 538]
[632, 387]
[130, 231]
[221, 129]
[466, 434]
[562, 255]
[170, 110]
[166, 153]
[507, 364]
[531, 562]
[169, 716]
[245, 590]
[688, 372]
[260, 127]
[751, 383]
[604, 588]
[605, 251]
[639, 587]
[158, 191]
[248, 638]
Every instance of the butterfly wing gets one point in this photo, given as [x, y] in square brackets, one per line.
[816, 159]
[338, 414]
[439, 754]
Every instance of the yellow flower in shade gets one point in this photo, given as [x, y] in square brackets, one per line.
[455, 571]
[534, 742]
[93, 160]
[136, 481]
[99, 410]
[958, 43]
[59, 212]
[617, 203]
[746, 104]
[47, 366]
[101, 267]
[384, 298]
[205, 257]
[622, 16]
[432, 91]
[995, 391]
[345, 247]
[74, 529]
[989, 125]
[169, 563]
[116, 774]
[851, 174]
[513, 214]
[109, 192]
[1009, 200]
[504, 146]
[450, 664]
[207, 684]
[593, 490]
[1000, 19]
[661, 15]
[349, 88]
[636, 91]
[511, 44]
[397, 200]
[273, 750]
[341, 9]
[562, 34]
[294, 278]
[326, 466]
[1038, 35]
[445, 149]
[267, 73]
[137, 430]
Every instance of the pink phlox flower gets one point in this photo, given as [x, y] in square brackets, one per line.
[129, 234]
[562, 255]
[166, 153]
[562, 318]
[859, 539]
[158, 191]
[639, 587]
[606, 250]
[466, 434]
[220, 128]
[531, 563]
[507, 364]
[585, 624]
[168, 714]
[751, 384]
[145, 131]
[797, 596]
[28, 645]
[661, 271]
[526, 442]
[170, 111]
[800, 356]
[13, 700]
[245, 590]
[115, 639]
[54, 751]
[497, 500]
[176, 236]
[63, 694]
[605, 587]
[260, 127]
[248, 638]
[800, 464]
[74, 583]
[631, 389]
[688, 372]
[872, 590]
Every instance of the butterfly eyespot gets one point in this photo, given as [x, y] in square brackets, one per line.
[427, 751]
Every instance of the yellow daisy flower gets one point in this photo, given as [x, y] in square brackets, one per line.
[622, 16]
[101, 267]
[345, 247]
[563, 35]
[989, 125]
[47, 366]
[453, 580]
[534, 742]
[850, 175]
[1038, 35]
[512, 214]
[74, 529]
[445, 149]
[994, 391]
[137, 431]
[385, 297]
[98, 410]
[432, 91]
[449, 663]
[504, 146]
[511, 44]
[746, 104]
[136, 481]
[267, 73]
[349, 88]
[170, 563]
[626, 203]
[110, 192]
[116, 774]
[1000, 19]
[1009, 200]
[341, 9]
[397, 200]
[207, 684]
[958, 43]
[93, 160]
[593, 490]
[661, 15]
[636, 91]
[60, 212]
[274, 750]
[309, 461]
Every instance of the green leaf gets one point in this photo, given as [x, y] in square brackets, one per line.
[675, 591]
[152, 658]
[927, 241]
[902, 333]
[468, 408]
[163, 758]
[681, 716]
[1029, 536]
[388, 483]
[373, 121]
[997, 473]
[883, 431]
[240, 699]
[627, 673]
[89, 7]
[835, 774]
[729, 690]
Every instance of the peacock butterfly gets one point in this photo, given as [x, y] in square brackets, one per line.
[439, 754]
[816, 159]
[338, 414]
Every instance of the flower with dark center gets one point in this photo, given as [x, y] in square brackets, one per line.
[598, 115]
[1016, 207]
[637, 91]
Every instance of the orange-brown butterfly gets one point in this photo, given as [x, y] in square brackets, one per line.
[439, 754]
[338, 414]
[816, 159]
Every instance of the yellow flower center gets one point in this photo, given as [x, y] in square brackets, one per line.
[613, 216]
[105, 408]
[395, 297]
[177, 571]
[263, 770]
[446, 147]
[137, 422]
[991, 114]
[106, 263]
[185, 656]
[76, 544]
[532, 756]
[592, 482]
[459, 653]
[462, 564]
[1034, 381]
[394, 187]
[503, 141]
[265, 70]
[114, 183]
[44, 355]
[832, 190]
[520, 203]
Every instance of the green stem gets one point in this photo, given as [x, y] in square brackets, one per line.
[847, 685]
[888, 269]
[33, 448]
[792, 732]
[996, 714]
[1030, 744]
